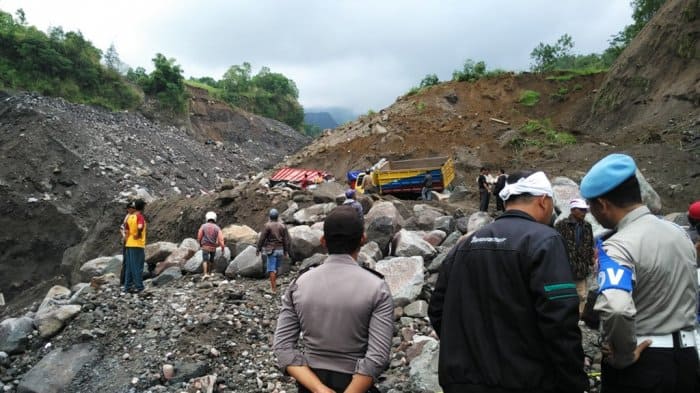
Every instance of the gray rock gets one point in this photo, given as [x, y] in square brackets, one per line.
[100, 266]
[381, 224]
[417, 309]
[167, 275]
[462, 224]
[326, 192]
[222, 259]
[56, 370]
[57, 295]
[185, 371]
[410, 244]
[190, 244]
[426, 216]
[157, 252]
[460, 193]
[246, 264]
[478, 220]
[315, 259]
[194, 264]
[404, 275]
[287, 216]
[564, 190]
[437, 262]
[240, 247]
[305, 242]
[239, 234]
[314, 213]
[48, 323]
[371, 250]
[445, 224]
[435, 237]
[649, 196]
[13, 334]
[424, 367]
[451, 239]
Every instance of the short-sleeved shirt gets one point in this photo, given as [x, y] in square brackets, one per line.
[131, 227]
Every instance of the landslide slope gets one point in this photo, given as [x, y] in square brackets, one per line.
[656, 121]
[67, 168]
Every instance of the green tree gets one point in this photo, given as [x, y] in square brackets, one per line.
[546, 56]
[429, 80]
[111, 59]
[642, 12]
[470, 72]
[167, 84]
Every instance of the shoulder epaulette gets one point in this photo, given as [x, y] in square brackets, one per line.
[376, 273]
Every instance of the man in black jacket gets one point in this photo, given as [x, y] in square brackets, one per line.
[505, 305]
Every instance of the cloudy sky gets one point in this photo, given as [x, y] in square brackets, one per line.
[359, 54]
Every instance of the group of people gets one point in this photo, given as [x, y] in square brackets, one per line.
[508, 298]
[488, 185]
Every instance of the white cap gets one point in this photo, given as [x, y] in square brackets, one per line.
[578, 203]
[210, 216]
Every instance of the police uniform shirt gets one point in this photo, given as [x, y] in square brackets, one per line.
[648, 284]
[345, 314]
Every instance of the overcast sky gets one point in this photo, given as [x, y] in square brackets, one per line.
[358, 54]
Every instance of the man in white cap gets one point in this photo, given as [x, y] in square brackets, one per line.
[648, 288]
[505, 305]
[578, 236]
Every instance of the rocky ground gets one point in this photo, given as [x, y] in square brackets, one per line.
[184, 332]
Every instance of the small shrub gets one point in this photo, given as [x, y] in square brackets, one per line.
[541, 132]
[420, 106]
[529, 98]
[577, 87]
[371, 112]
[414, 90]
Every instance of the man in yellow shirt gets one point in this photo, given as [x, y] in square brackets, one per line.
[135, 243]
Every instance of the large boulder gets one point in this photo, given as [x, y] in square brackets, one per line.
[287, 216]
[158, 251]
[13, 334]
[436, 263]
[189, 244]
[371, 249]
[459, 193]
[424, 367]
[246, 264]
[366, 202]
[478, 220]
[239, 234]
[327, 192]
[305, 242]
[435, 237]
[381, 224]
[314, 213]
[194, 264]
[56, 296]
[221, 261]
[445, 224]
[55, 371]
[404, 275]
[451, 239]
[649, 196]
[410, 244]
[51, 322]
[167, 275]
[462, 224]
[425, 216]
[315, 259]
[417, 309]
[99, 266]
[178, 259]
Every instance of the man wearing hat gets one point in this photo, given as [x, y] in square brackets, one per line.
[135, 244]
[344, 311]
[648, 288]
[578, 236]
[505, 305]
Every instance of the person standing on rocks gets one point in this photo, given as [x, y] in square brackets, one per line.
[135, 244]
[497, 187]
[505, 305]
[274, 240]
[484, 190]
[427, 190]
[209, 237]
[345, 313]
[352, 202]
[647, 296]
[578, 235]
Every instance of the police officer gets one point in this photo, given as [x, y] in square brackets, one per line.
[345, 313]
[648, 290]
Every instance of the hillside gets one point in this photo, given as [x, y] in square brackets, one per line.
[321, 119]
[657, 123]
[67, 169]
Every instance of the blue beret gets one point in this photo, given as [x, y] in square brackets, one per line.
[607, 174]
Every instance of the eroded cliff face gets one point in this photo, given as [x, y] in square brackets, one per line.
[67, 169]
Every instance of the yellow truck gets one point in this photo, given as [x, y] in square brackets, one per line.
[406, 176]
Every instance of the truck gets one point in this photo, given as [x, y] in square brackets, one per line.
[406, 176]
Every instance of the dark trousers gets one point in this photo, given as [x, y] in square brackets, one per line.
[658, 370]
[335, 380]
[484, 200]
[133, 276]
[499, 204]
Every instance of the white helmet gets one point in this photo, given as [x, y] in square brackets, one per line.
[210, 216]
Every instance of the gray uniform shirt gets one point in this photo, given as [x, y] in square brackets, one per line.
[664, 298]
[345, 314]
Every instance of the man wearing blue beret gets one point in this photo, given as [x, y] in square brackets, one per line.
[647, 294]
